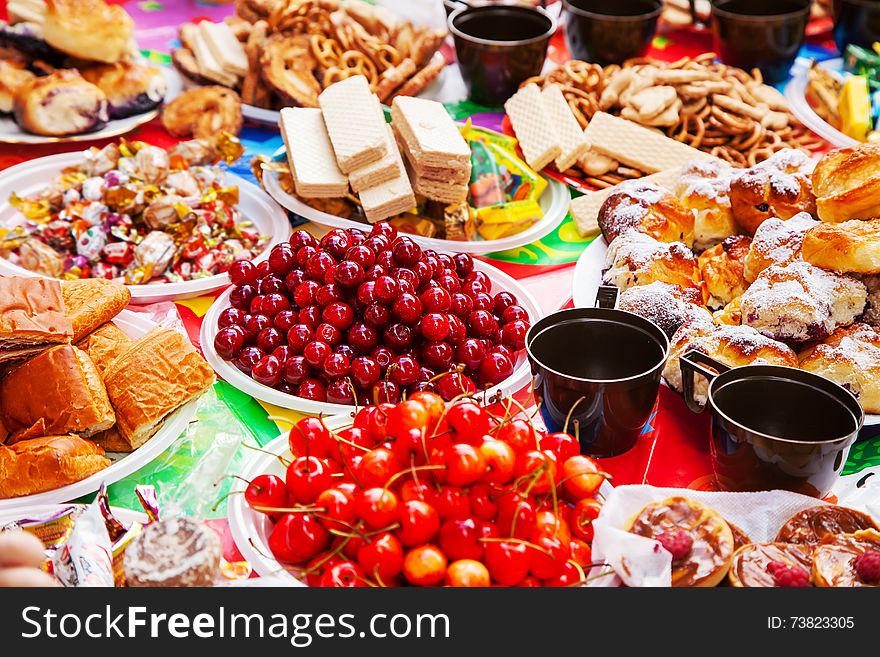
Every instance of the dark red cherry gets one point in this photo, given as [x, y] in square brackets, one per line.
[365, 371]
[267, 371]
[316, 352]
[229, 341]
[240, 297]
[296, 370]
[243, 272]
[269, 339]
[285, 319]
[298, 337]
[231, 317]
[247, 358]
[312, 389]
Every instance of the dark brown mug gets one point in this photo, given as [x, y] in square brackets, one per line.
[763, 34]
[597, 371]
[774, 427]
[609, 32]
[498, 47]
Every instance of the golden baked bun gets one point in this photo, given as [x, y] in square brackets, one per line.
[703, 541]
[648, 208]
[88, 29]
[130, 87]
[811, 526]
[851, 357]
[734, 346]
[704, 188]
[91, 302]
[105, 344]
[847, 183]
[203, 112]
[777, 242]
[751, 566]
[635, 258]
[13, 75]
[722, 269]
[59, 391]
[61, 103]
[152, 378]
[836, 559]
[41, 464]
[780, 186]
[850, 246]
[800, 302]
[668, 306]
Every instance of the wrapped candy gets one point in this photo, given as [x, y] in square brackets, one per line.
[152, 164]
[40, 258]
[92, 189]
[98, 162]
[164, 211]
[156, 251]
[182, 183]
[86, 557]
[119, 253]
[90, 243]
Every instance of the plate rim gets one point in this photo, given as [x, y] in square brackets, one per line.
[153, 292]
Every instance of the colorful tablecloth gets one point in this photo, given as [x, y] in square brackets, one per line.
[673, 450]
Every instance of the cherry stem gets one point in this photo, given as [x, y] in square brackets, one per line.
[225, 497]
[570, 411]
[278, 418]
[529, 420]
[403, 473]
[280, 458]
[288, 509]
[519, 541]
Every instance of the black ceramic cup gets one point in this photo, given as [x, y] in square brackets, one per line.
[763, 34]
[774, 427]
[498, 47]
[597, 369]
[857, 22]
[609, 31]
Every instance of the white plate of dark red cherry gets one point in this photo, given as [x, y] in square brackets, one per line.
[358, 318]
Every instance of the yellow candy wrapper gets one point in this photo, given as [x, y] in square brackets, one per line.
[37, 211]
[472, 133]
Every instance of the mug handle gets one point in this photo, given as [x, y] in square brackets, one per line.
[695, 361]
[606, 297]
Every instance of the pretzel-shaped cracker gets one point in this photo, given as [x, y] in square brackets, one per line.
[359, 64]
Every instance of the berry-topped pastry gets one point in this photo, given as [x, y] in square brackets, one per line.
[771, 565]
[848, 560]
[699, 540]
[810, 526]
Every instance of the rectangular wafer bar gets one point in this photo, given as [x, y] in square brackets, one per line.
[429, 133]
[585, 209]
[536, 135]
[457, 176]
[375, 173]
[227, 50]
[391, 197]
[352, 115]
[312, 162]
[569, 132]
[637, 146]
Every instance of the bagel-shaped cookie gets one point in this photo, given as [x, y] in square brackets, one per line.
[287, 64]
[202, 112]
[848, 560]
[811, 526]
[765, 565]
[699, 539]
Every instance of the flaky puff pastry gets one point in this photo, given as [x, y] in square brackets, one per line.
[847, 183]
[60, 391]
[847, 247]
[92, 302]
[850, 357]
[722, 269]
[42, 464]
[105, 344]
[88, 29]
[155, 376]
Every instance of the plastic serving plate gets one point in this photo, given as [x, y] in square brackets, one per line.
[254, 204]
[232, 375]
[554, 203]
[123, 464]
[10, 133]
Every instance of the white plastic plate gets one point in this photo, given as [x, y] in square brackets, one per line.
[29, 178]
[123, 515]
[554, 203]
[235, 377]
[10, 133]
[123, 465]
[795, 94]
